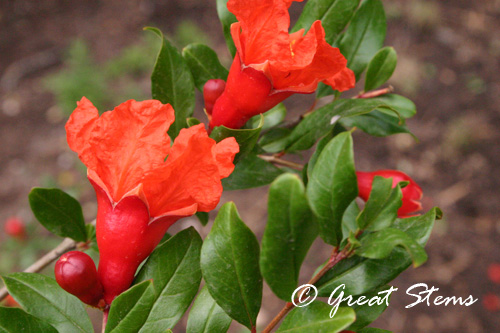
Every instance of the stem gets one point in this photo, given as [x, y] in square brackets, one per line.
[279, 161]
[376, 93]
[66, 245]
[335, 258]
[104, 319]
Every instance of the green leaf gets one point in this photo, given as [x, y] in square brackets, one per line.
[380, 244]
[192, 121]
[319, 148]
[58, 212]
[402, 105]
[13, 320]
[381, 209]
[131, 308]
[230, 266]
[364, 36]
[333, 14]
[322, 120]
[202, 217]
[361, 275]
[246, 138]
[349, 225]
[204, 64]
[175, 271]
[275, 140]
[206, 316]
[366, 314]
[380, 68]
[333, 186]
[226, 18]
[272, 118]
[42, 297]
[249, 172]
[171, 82]
[376, 123]
[290, 231]
[316, 318]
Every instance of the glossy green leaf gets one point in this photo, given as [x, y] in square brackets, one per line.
[349, 225]
[380, 244]
[319, 148]
[366, 314]
[315, 317]
[58, 212]
[175, 271]
[42, 297]
[376, 123]
[130, 310]
[381, 209]
[290, 231]
[364, 36]
[14, 320]
[230, 266]
[272, 118]
[361, 275]
[380, 68]
[202, 217]
[333, 186]
[402, 105]
[204, 64]
[246, 138]
[206, 316]
[171, 82]
[226, 18]
[333, 14]
[322, 120]
[275, 140]
[251, 171]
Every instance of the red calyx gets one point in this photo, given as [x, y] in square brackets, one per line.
[15, 228]
[211, 92]
[76, 273]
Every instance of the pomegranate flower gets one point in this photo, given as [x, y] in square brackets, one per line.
[271, 64]
[412, 193]
[143, 184]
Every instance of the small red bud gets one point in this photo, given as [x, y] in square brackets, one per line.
[10, 302]
[211, 91]
[76, 273]
[491, 302]
[494, 272]
[15, 228]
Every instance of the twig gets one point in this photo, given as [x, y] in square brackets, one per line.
[66, 245]
[279, 161]
[335, 258]
[376, 93]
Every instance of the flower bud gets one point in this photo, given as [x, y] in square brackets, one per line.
[76, 273]
[15, 228]
[211, 91]
[412, 193]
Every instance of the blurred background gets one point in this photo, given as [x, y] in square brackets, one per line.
[54, 52]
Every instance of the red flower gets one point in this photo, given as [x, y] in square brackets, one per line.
[15, 228]
[412, 193]
[271, 64]
[143, 184]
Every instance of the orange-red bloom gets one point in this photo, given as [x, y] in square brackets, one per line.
[143, 184]
[412, 193]
[271, 64]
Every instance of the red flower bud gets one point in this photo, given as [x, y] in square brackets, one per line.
[10, 302]
[491, 302]
[211, 92]
[15, 228]
[76, 273]
[412, 193]
[494, 273]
